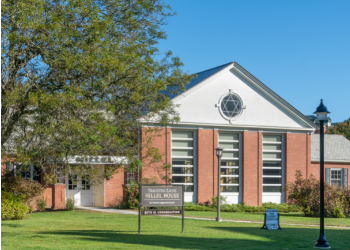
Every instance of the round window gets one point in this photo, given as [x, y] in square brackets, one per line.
[231, 106]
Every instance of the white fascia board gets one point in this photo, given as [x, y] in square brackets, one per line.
[235, 126]
[272, 95]
[201, 84]
[331, 161]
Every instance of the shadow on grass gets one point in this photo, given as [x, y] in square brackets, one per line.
[11, 225]
[228, 238]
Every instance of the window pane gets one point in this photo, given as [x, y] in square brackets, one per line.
[185, 144]
[230, 154]
[272, 138]
[180, 170]
[182, 179]
[228, 137]
[268, 180]
[272, 189]
[182, 134]
[184, 152]
[182, 162]
[234, 163]
[188, 188]
[272, 147]
[234, 189]
[272, 164]
[229, 145]
[272, 171]
[229, 180]
[272, 155]
[336, 183]
[229, 171]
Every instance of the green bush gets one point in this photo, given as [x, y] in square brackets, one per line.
[41, 204]
[12, 207]
[282, 208]
[305, 194]
[131, 199]
[70, 203]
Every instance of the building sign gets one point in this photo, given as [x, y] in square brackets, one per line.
[272, 220]
[161, 212]
[81, 159]
[161, 196]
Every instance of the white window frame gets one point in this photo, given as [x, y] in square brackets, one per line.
[282, 152]
[193, 157]
[341, 176]
[232, 159]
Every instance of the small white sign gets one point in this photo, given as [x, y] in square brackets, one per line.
[272, 219]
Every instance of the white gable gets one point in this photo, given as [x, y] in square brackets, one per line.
[264, 109]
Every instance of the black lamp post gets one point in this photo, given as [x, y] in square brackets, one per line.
[321, 113]
[219, 155]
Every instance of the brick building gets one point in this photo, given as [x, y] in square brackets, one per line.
[265, 140]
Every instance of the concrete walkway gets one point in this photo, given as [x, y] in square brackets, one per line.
[122, 211]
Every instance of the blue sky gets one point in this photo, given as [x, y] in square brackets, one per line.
[300, 49]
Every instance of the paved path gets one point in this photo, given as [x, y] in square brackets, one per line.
[122, 211]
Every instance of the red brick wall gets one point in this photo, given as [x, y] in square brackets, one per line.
[315, 168]
[296, 155]
[114, 189]
[58, 196]
[251, 167]
[207, 167]
[3, 166]
[160, 140]
[47, 195]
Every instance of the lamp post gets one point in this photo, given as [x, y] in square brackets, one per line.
[321, 113]
[219, 155]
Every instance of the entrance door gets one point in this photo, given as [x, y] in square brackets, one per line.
[80, 189]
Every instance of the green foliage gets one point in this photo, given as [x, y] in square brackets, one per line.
[282, 208]
[12, 207]
[78, 75]
[305, 193]
[131, 199]
[25, 189]
[70, 203]
[342, 128]
[41, 204]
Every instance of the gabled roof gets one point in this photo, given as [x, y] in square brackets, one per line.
[336, 148]
[204, 75]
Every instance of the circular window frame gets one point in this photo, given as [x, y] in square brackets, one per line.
[222, 112]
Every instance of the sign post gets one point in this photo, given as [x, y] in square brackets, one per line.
[161, 195]
[272, 220]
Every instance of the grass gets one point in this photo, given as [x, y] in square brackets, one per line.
[91, 230]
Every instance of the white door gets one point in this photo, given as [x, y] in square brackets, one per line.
[79, 187]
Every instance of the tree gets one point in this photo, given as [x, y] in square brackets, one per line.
[78, 75]
[342, 128]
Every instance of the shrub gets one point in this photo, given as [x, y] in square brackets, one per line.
[12, 207]
[26, 189]
[70, 203]
[131, 199]
[214, 201]
[305, 193]
[41, 204]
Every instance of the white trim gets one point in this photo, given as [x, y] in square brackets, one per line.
[331, 161]
[232, 127]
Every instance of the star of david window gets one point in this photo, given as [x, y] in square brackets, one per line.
[230, 106]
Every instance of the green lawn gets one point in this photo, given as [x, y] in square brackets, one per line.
[92, 230]
[289, 218]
